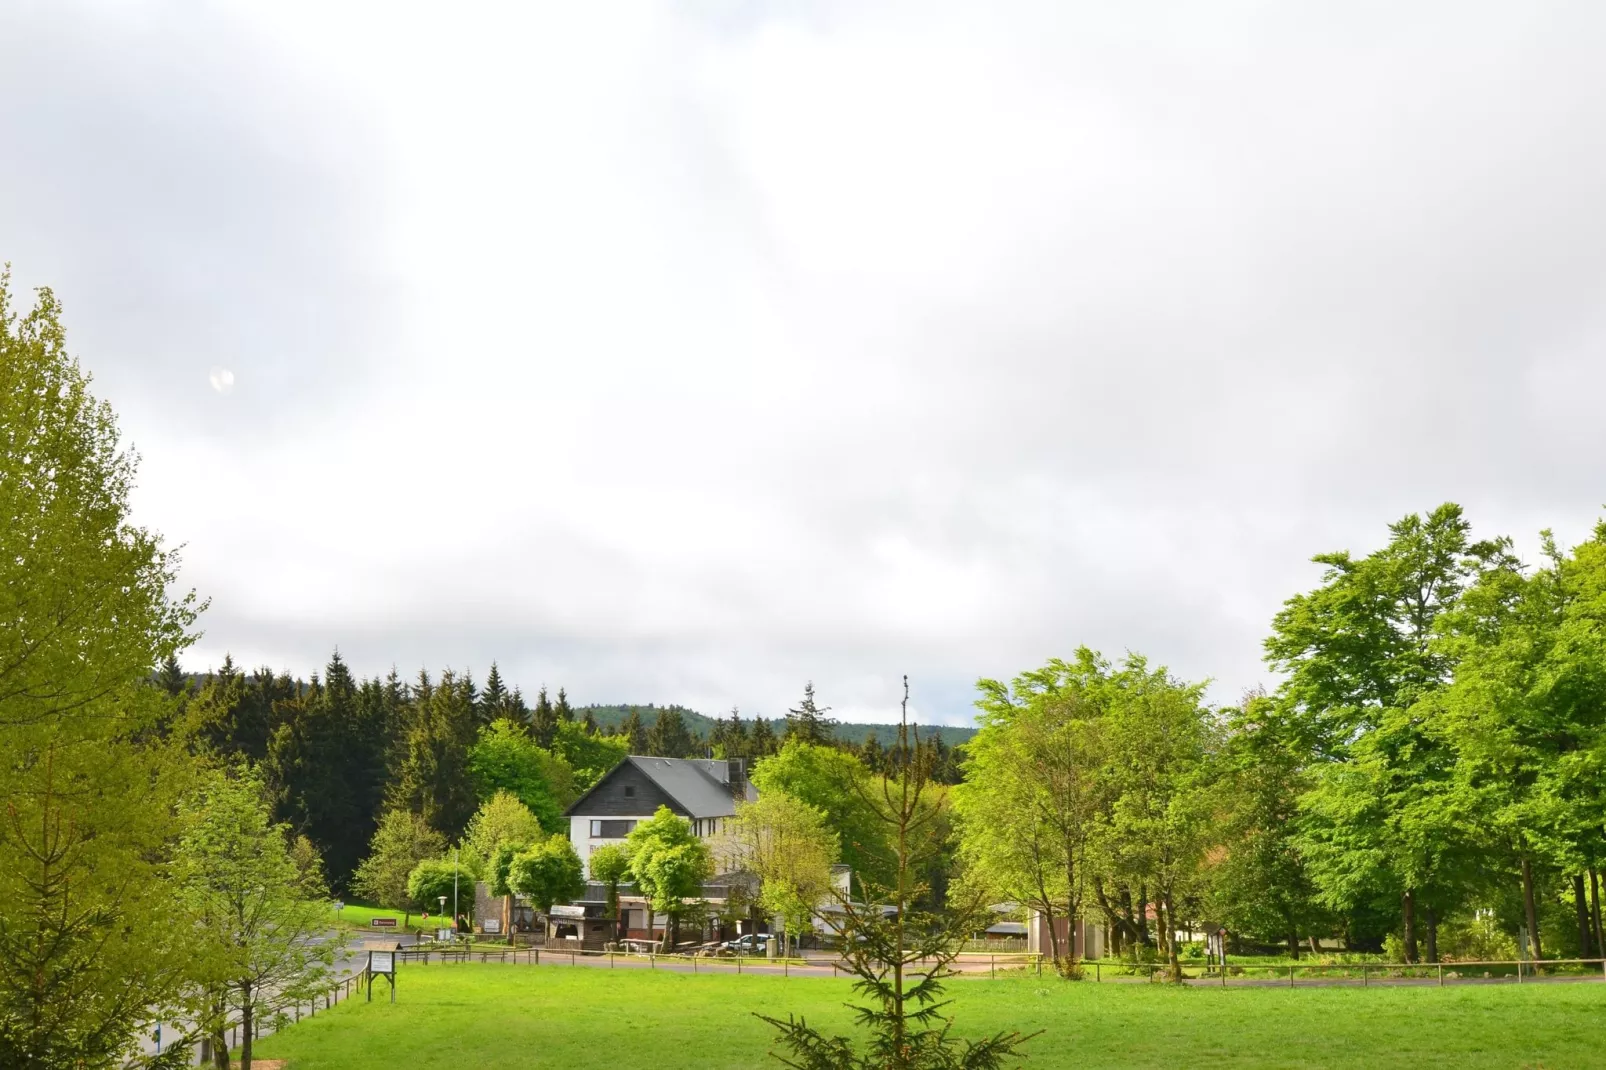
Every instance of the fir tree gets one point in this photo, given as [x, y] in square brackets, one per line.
[808, 723]
[634, 731]
[563, 710]
[494, 699]
[590, 724]
[872, 753]
[732, 735]
[544, 719]
[761, 744]
[434, 779]
[669, 737]
[172, 678]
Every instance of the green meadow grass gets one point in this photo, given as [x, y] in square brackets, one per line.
[501, 1017]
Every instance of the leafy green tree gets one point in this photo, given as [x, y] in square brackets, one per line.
[1032, 802]
[267, 945]
[501, 819]
[669, 864]
[87, 946]
[610, 864]
[836, 784]
[900, 958]
[547, 873]
[669, 737]
[808, 723]
[788, 845]
[506, 759]
[435, 879]
[1259, 883]
[589, 754]
[402, 841]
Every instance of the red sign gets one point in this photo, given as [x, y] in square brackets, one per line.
[383, 923]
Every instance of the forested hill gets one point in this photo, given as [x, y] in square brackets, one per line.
[609, 718]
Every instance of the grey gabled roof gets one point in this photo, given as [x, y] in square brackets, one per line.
[698, 785]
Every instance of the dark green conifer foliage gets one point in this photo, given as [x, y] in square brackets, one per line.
[172, 678]
[434, 781]
[635, 732]
[494, 700]
[761, 743]
[543, 719]
[590, 724]
[563, 710]
[872, 753]
[669, 737]
[808, 723]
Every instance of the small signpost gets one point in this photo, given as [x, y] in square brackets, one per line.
[383, 963]
[383, 923]
[492, 926]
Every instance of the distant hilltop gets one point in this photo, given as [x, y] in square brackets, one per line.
[609, 718]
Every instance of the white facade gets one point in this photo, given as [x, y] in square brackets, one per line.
[607, 829]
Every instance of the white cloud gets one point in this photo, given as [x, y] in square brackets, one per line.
[682, 353]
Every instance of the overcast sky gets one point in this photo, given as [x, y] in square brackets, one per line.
[684, 352]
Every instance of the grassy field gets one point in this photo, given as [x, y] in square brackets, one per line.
[495, 1017]
[358, 916]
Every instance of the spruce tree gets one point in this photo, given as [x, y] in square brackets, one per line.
[590, 724]
[808, 723]
[172, 678]
[761, 743]
[872, 753]
[635, 732]
[494, 699]
[669, 737]
[543, 719]
[434, 781]
[563, 710]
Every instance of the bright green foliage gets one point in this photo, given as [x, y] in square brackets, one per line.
[505, 758]
[588, 753]
[501, 819]
[1259, 882]
[898, 955]
[1034, 794]
[547, 873]
[610, 864]
[789, 846]
[87, 944]
[437, 878]
[836, 784]
[266, 945]
[669, 864]
[402, 841]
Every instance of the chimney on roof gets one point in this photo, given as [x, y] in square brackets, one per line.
[736, 778]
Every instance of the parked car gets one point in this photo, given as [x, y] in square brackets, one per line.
[751, 944]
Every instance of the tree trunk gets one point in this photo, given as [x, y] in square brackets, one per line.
[1315, 948]
[651, 921]
[1293, 944]
[1528, 906]
[1408, 907]
[1594, 899]
[1143, 917]
[1171, 939]
[1433, 932]
[245, 1027]
[1581, 905]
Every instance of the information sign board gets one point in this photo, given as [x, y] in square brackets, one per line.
[383, 923]
[492, 925]
[563, 910]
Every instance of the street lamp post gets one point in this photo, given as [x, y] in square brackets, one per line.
[455, 871]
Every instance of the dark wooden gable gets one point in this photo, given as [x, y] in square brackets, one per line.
[608, 798]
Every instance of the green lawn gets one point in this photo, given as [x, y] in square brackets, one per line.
[496, 1017]
[358, 916]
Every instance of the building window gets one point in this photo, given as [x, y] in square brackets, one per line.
[611, 830]
[630, 791]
